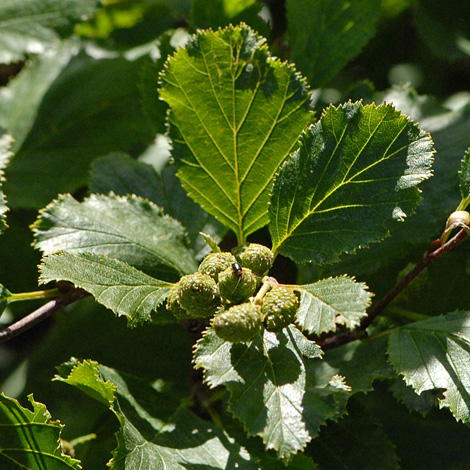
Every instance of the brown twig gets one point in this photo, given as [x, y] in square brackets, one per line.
[434, 252]
[41, 314]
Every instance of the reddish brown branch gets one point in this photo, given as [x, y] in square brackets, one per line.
[41, 314]
[434, 252]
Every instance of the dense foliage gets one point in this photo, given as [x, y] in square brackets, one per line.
[273, 195]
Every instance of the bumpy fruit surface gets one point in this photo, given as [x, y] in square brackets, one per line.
[198, 294]
[258, 258]
[173, 304]
[215, 263]
[279, 308]
[239, 323]
[237, 285]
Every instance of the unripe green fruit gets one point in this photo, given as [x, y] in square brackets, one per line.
[258, 258]
[239, 323]
[173, 304]
[279, 308]
[198, 294]
[237, 285]
[215, 263]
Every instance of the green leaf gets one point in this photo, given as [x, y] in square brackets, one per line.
[325, 35]
[356, 169]
[434, 354]
[272, 390]
[464, 176]
[73, 104]
[130, 229]
[151, 431]
[30, 27]
[331, 302]
[236, 113]
[123, 175]
[85, 376]
[5, 154]
[5, 298]
[118, 286]
[29, 439]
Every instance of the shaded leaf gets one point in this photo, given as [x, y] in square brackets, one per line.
[29, 439]
[325, 35]
[131, 229]
[444, 29]
[464, 176]
[5, 154]
[30, 27]
[434, 354]
[5, 298]
[236, 113]
[341, 445]
[355, 170]
[153, 428]
[272, 390]
[331, 302]
[68, 120]
[118, 286]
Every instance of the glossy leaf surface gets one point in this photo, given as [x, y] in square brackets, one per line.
[356, 170]
[131, 229]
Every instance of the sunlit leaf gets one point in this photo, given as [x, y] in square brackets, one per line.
[331, 302]
[355, 170]
[434, 354]
[464, 175]
[131, 229]
[118, 286]
[236, 113]
[272, 390]
[30, 439]
[5, 142]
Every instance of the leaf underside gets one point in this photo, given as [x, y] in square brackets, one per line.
[118, 286]
[236, 113]
[356, 170]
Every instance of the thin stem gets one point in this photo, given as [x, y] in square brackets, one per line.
[41, 314]
[40, 294]
[434, 252]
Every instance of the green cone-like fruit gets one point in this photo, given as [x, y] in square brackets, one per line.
[173, 304]
[214, 263]
[256, 257]
[239, 323]
[198, 294]
[237, 284]
[279, 308]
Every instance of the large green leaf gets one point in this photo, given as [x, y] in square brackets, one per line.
[123, 175]
[63, 121]
[356, 169]
[131, 229]
[118, 286]
[331, 302]
[236, 113]
[33, 26]
[326, 34]
[5, 142]
[272, 390]
[152, 434]
[29, 439]
[434, 354]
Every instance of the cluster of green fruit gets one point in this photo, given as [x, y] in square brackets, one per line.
[224, 288]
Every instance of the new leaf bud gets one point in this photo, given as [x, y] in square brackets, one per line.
[237, 284]
[258, 258]
[198, 294]
[279, 308]
[215, 263]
